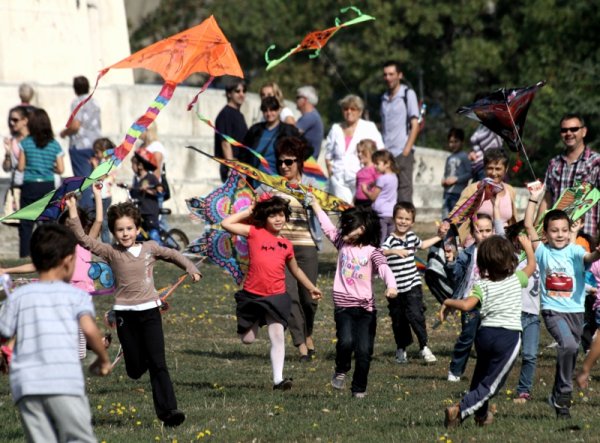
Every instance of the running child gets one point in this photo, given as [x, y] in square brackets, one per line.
[457, 171]
[137, 304]
[562, 286]
[367, 174]
[385, 192]
[46, 379]
[407, 311]
[263, 299]
[463, 273]
[359, 260]
[100, 146]
[498, 340]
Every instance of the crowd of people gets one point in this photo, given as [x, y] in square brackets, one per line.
[502, 298]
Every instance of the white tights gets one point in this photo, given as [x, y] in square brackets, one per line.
[277, 338]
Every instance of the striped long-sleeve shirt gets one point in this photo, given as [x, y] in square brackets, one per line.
[356, 266]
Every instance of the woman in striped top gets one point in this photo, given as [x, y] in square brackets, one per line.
[41, 156]
[498, 339]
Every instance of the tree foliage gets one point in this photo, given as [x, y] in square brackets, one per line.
[449, 49]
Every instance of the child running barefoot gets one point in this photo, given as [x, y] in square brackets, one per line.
[407, 310]
[562, 287]
[359, 259]
[385, 192]
[263, 299]
[137, 304]
[498, 340]
[367, 175]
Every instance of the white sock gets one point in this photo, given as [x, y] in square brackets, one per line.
[277, 337]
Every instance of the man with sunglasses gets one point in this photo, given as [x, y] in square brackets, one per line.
[577, 163]
[231, 122]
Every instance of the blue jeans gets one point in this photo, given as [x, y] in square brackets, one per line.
[355, 332]
[530, 339]
[80, 162]
[448, 203]
[462, 348]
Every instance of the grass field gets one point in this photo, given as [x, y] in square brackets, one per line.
[226, 392]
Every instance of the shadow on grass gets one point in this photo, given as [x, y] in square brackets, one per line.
[224, 355]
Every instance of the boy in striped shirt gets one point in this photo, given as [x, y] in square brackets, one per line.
[498, 340]
[407, 310]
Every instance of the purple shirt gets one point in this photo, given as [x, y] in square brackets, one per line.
[385, 201]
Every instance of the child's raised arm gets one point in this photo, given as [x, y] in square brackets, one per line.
[97, 225]
[591, 257]
[535, 194]
[466, 304]
[234, 223]
[528, 248]
[299, 275]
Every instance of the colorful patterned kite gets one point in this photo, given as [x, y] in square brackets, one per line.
[327, 201]
[203, 48]
[228, 251]
[318, 39]
[504, 112]
[485, 190]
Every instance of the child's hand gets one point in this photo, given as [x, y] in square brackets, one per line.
[71, 203]
[525, 242]
[196, 276]
[443, 229]
[97, 189]
[100, 367]
[400, 252]
[583, 379]
[444, 311]
[391, 293]
[316, 293]
[536, 190]
[576, 226]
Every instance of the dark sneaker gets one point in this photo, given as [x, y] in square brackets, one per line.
[338, 381]
[173, 418]
[561, 409]
[284, 385]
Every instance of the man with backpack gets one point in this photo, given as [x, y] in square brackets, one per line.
[400, 126]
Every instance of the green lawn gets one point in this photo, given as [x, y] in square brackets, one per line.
[225, 390]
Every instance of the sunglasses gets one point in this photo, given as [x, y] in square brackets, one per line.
[573, 129]
[14, 120]
[239, 91]
[287, 161]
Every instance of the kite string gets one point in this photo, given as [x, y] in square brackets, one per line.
[337, 72]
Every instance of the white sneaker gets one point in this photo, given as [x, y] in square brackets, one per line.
[401, 356]
[427, 355]
[452, 377]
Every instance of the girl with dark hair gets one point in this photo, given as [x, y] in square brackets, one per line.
[263, 299]
[498, 340]
[359, 258]
[41, 156]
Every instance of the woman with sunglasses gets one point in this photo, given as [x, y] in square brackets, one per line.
[17, 124]
[340, 155]
[41, 156]
[304, 232]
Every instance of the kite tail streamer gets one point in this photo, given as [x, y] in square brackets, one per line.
[204, 88]
[233, 142]
[142, 123]
[87, 99]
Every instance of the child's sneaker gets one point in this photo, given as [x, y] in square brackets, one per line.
[401, 356]
[453, 378]
[562, 411]
[283, 385]
[523, 398]
[427, 355]
[338, 381]
[359, 394]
